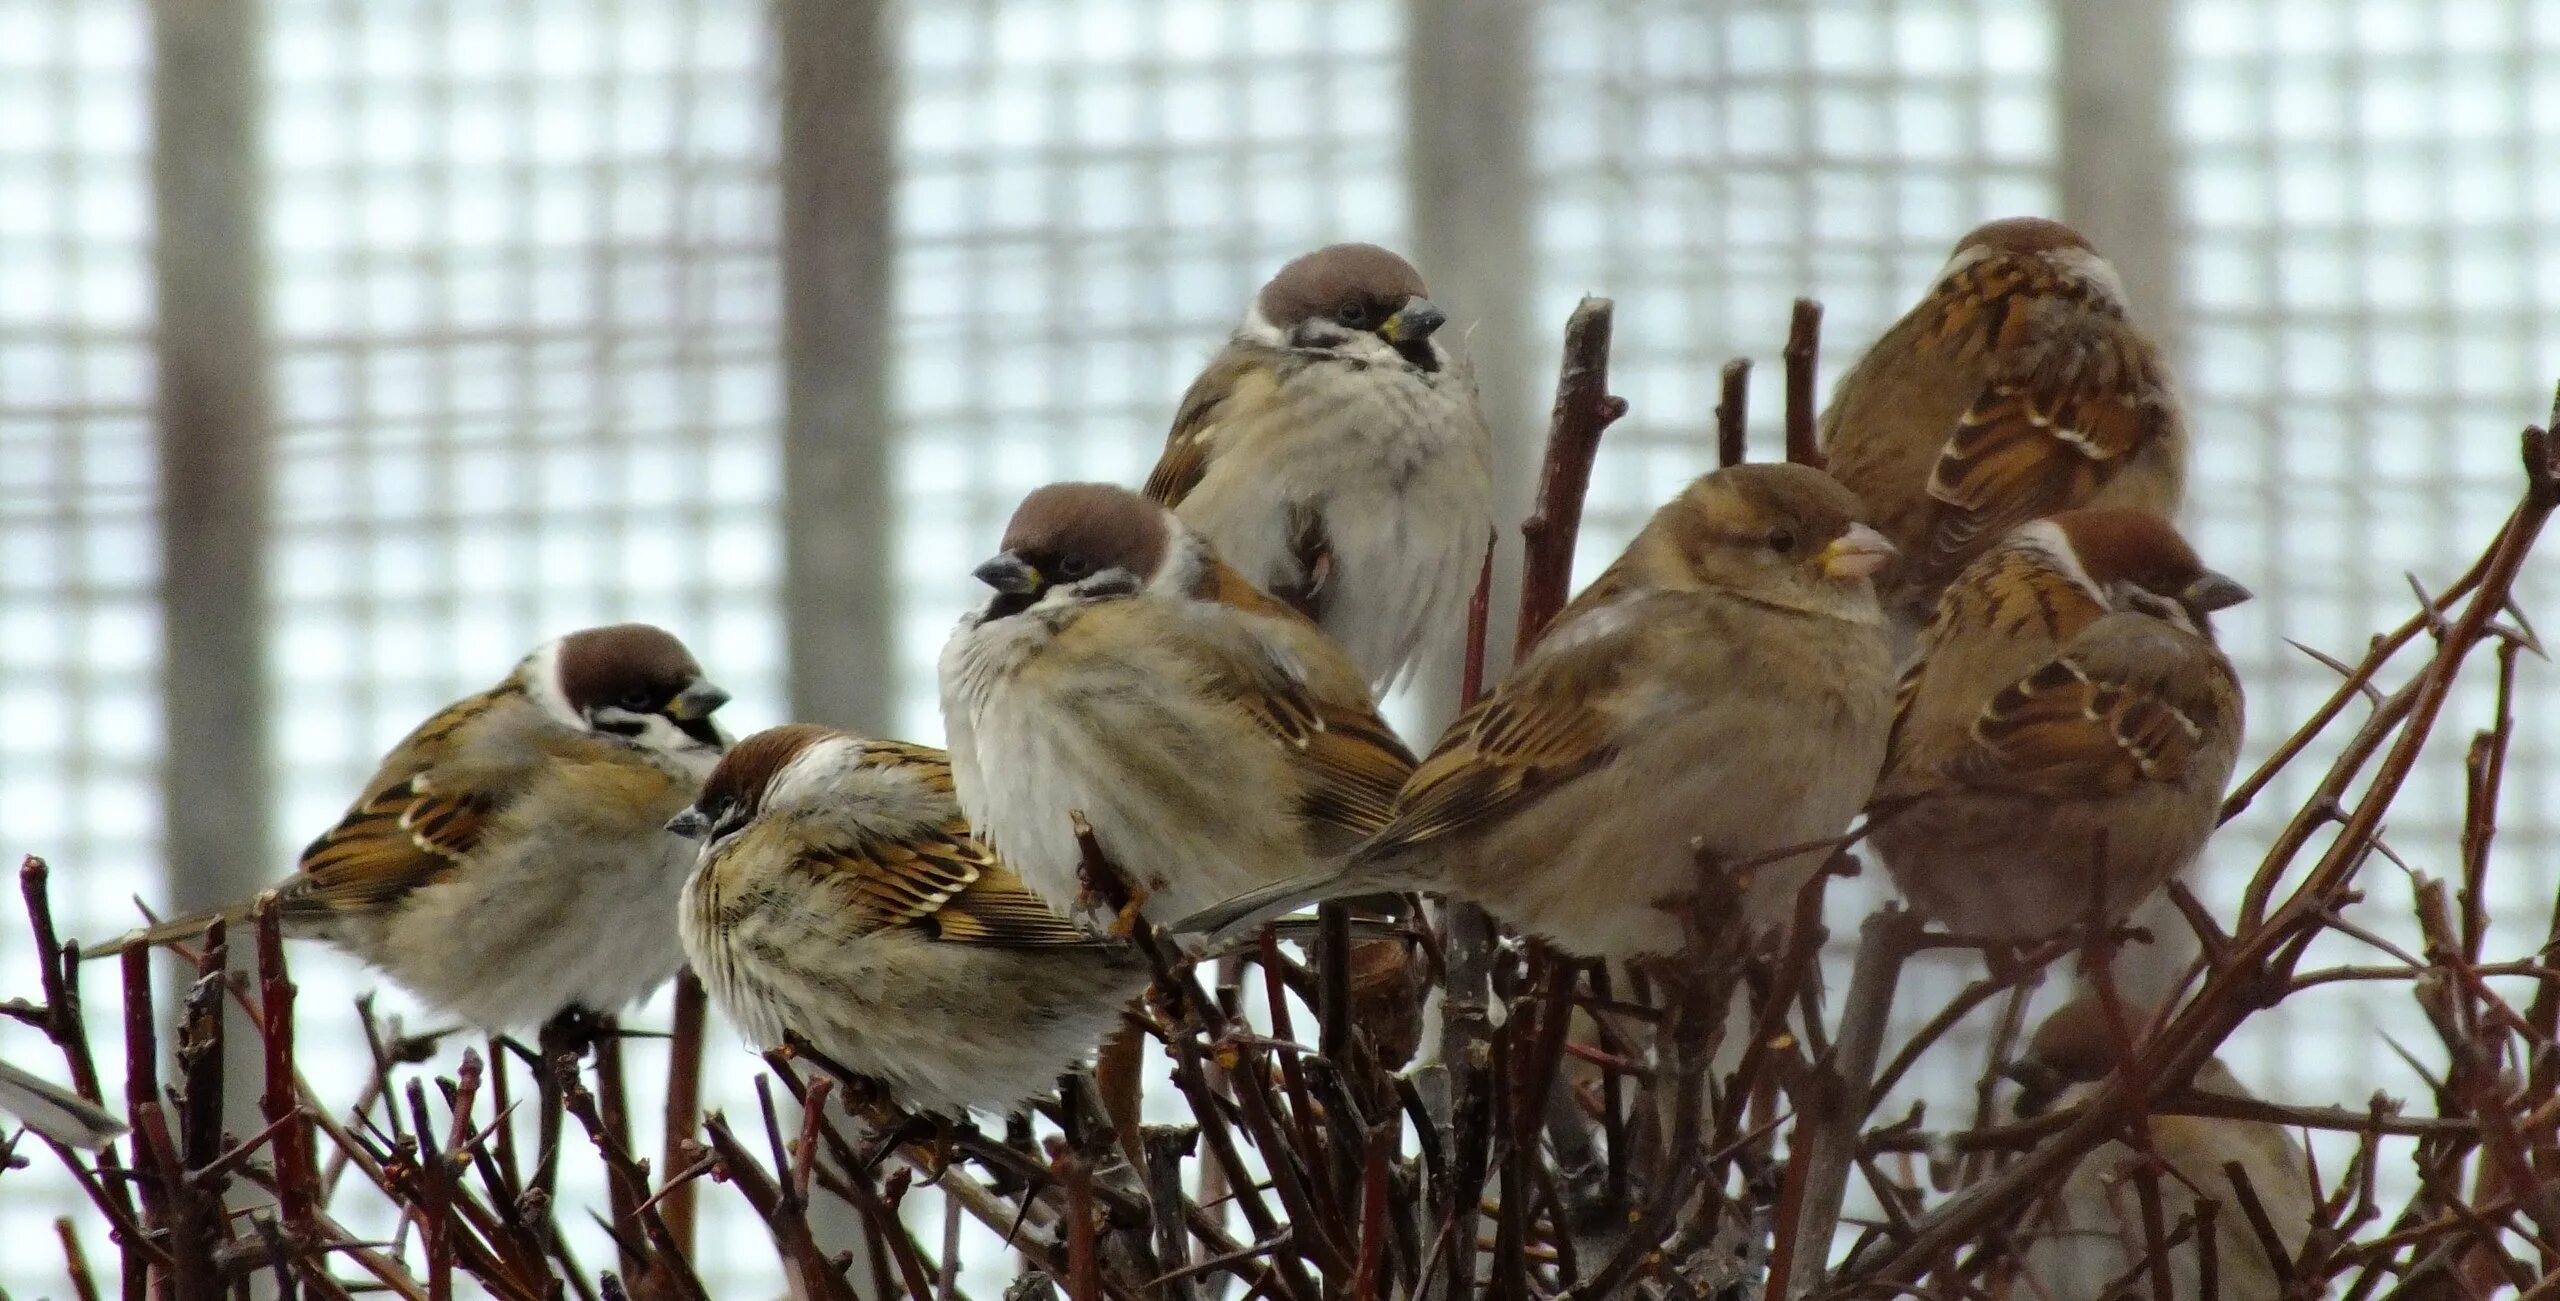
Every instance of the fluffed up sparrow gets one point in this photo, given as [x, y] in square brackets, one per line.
[2061, 744]
[840, 896]
[1211, 736]
[2016, 389]
[2085, 1239]
[1334, 454]
[510, 861]
[1721, 692]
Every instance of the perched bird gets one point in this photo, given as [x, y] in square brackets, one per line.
[1721, 691]
[2016, 389]
[2090, 1234]
[1334, 454]
[1211, 736]
[2061, 744]
[56, 1113]
[839, 895]
[510, 861]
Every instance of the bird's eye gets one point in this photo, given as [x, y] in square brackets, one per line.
[1782, 541]
[1074, 566]
[1354, 313]
[635, 701]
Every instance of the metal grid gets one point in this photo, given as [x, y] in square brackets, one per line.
[525, 307]
[2374, 298]
[79, 636]
[1090, 194]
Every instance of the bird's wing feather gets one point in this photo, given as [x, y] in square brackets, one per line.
[415, 822]
[1543, 726]
[2067, 404]
[1352, 761]
[1236, 378]
[2131, 700]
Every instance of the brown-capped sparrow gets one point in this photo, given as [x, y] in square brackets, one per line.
[55, 1112]
[1211, 736]
[2016, 389]
[840, 896]
[2061, 743]
[510, 861]
[1334, 454]
[2085, 1239]
[1721, 692]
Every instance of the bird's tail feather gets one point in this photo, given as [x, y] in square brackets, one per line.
[1225, 923]
[56, 1112]
[159, 933]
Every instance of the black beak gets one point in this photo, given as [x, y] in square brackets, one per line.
[1414, 322]
[2215, 592]
[689, 824]
[696, 702]
[1011, 575]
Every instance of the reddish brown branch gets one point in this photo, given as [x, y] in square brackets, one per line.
[1804, 347]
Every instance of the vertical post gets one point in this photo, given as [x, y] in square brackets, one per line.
[2120, 184]
[209, 269]
[2119, 156]
[1467, 91]
[836, 61]
[837, 64]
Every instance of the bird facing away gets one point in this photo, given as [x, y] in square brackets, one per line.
[839, 895]
[1211, 736]
[2061, 744]
[2016, 389]
[2089, 1234]
[1335, 455]
[1721, 692]
[509, 861]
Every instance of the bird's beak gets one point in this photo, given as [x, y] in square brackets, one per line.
[1414, 322]
[1855, 554]
[2214, 592]
[689, 824]
[1011, 575]
[695, 703]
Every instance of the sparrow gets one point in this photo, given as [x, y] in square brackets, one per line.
[2015, 390]
[1722, 691]
[1335, 455]
[839, 895]
[2089, 1234]
[1211, 736]
[2061, 743]
[56, 1113]
[509, 861]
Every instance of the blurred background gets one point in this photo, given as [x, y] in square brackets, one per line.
[348, 348]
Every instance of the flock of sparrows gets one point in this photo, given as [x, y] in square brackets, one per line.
[1192, 671]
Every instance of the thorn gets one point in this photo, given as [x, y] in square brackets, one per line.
[2436, 626]
[2365, 688]
[2524, 635]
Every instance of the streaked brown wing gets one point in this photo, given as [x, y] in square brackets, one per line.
[1538, 730]
[1236, 377]
[1359, 765]
[411, 826]
[948, 884]
[1354, 761]
[2058, 417]
[2128, 702]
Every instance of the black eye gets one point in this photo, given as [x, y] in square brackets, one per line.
[1354, 313]
[637, 702]
[1074, 566]
[1781, 541]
